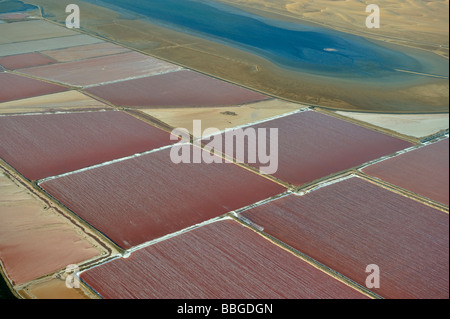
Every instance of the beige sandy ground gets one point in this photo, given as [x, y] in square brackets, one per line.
[36, 239]
[251, 71]
[413, 125]
[65, 101]
[223, 117]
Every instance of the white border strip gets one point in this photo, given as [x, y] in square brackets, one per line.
[107, 163]
[100, 110]
[139, 77]
[402, 152]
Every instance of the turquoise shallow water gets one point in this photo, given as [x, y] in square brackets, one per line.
[9, 6]
[309, 49]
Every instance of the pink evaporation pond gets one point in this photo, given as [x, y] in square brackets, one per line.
[223, 260]
[101, 70]
[312, 146]
[85, 52]
[40, 146]
[26, 60]
[179, 89]
[148, 197]
[16, 87]
[353, 224]
[424, 171]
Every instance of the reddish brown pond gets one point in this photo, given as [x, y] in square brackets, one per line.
[15, 87]
[102, 69]
[40, 146]
[181, 89]
[312, 146]
[26, 60]
[352, 224]
[148, 197]
[223, 260]
[424, 171]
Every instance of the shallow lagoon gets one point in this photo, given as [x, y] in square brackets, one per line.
[306, 48]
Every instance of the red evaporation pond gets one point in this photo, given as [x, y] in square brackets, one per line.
[39, 146]
[353, 224]
[424, 171]
[27, 60]
[16, 87]
[145, 198]
[310, 146]
[223, 260]
[182, 88]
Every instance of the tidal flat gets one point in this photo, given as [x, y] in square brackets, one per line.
[310, 49]
[387, 89]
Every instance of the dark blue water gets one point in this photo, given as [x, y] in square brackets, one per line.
[295, 46]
